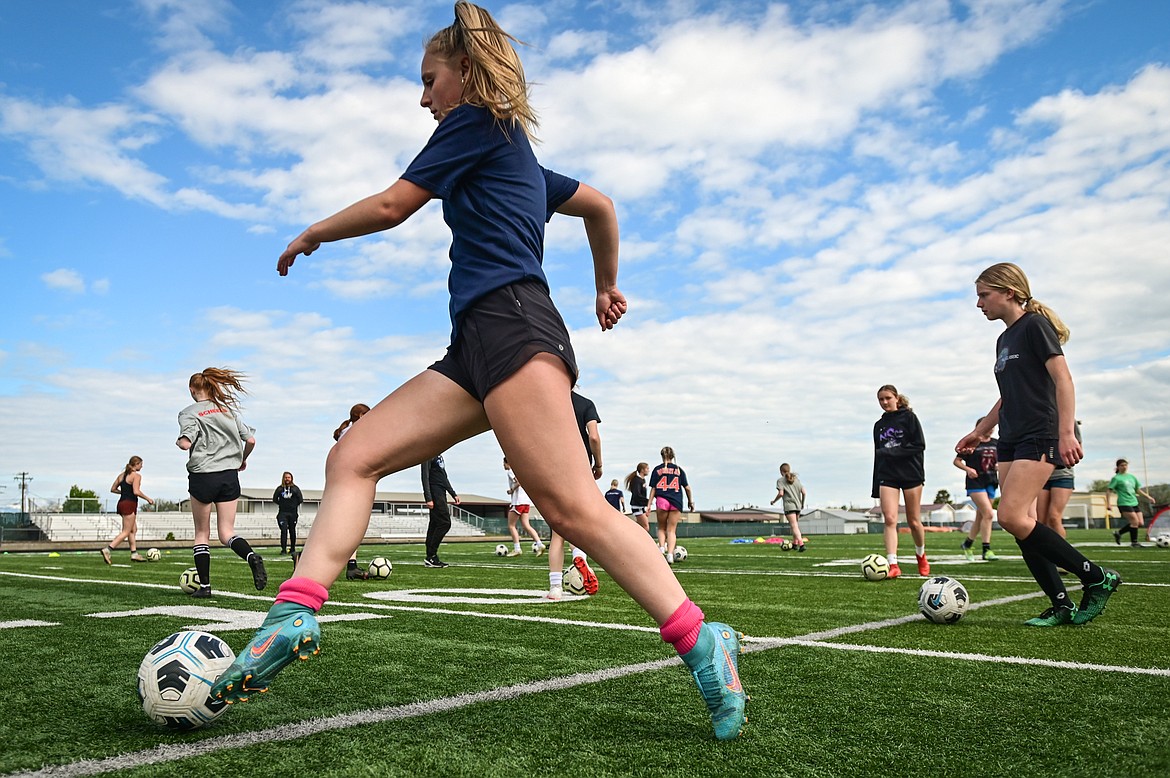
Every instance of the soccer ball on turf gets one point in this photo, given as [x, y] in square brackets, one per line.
[943, 600]
[875, 567]
[1162, 541]
[786, 545]
[153, 554]
[189, 580]
[573, 582]
[380, 568]
[680, 553]
[175, 679]
[501, 550]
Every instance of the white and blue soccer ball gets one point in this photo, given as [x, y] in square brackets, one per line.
[1162, 541]
[875, 567]
[176, 676]
[189, 580]
[153, 554]
[573, 582]
[501, 550]
[943, 600]
[380, 568]
[680, 553]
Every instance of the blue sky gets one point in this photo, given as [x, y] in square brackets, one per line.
[806, 193]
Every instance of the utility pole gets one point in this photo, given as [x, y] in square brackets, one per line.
[24, 479]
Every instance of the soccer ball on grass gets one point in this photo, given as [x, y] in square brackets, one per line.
[680, 553]
[380, 568]
[943, 600]
[501, 550]
[1162, 541]
[175, 679]
[573, 582]
[153, 554]
[875, 567]
[189, 580]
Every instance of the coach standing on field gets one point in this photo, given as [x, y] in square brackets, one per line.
[436, 487]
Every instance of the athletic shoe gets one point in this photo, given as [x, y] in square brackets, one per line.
[136, 557]
[1054, 617]
[554, 593]
[990, 556]
[1096, 595]
[1117, 537]
[587, 574]
[259, 575]
[513, 552]
[895, 571]
[800, 547]
[716, 673]
[202, 593]
[289, 632]
[1135, 544]
[434, 561]
[356, 574]
[923, 565]
[669, 559]
[106, 555]
[969, 553]
[538, 549]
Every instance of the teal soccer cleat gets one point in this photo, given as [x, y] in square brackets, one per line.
[1096, 595]
[714, 666]
[289, 632]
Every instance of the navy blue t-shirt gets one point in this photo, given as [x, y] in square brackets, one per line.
[496, 200]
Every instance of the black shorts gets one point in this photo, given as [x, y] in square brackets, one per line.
[1033, 450]
[207, 488]
[500, 333]
[900, 483]
[1129, 509]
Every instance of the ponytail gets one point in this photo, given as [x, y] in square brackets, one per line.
[1010, 278]
[355, 413]
[221, 386]
[130, 466]
[630, 478]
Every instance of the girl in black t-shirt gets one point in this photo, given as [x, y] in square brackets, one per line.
[898, 471]
[1036, 413]
[639, 501]
[981, 484]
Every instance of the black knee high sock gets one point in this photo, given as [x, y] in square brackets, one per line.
[241, 547]
[1051, 546]
[202, 554]
[1133, 534]
[1045, 574]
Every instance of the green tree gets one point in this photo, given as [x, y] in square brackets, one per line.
[942, 497]
[81, 501]
[161, 505]
[1098, 485]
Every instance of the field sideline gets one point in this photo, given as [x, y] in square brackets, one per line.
[469, 671]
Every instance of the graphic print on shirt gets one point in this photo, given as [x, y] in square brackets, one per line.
[891, 437]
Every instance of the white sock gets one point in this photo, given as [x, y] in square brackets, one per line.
[892, 559]
[579, 553]
[554, 579]
[516, 546]
[920, 550]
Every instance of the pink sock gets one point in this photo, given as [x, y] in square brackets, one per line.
[303, 591]
[682, 628]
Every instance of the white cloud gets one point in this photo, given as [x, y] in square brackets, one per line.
[65, 280]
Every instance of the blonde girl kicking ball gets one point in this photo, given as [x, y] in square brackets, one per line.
[509, 368]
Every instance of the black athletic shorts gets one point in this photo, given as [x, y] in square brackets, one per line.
[1033, 450]
[500, 333]
[207, 488]
[900, 483]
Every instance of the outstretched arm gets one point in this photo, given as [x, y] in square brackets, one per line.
[601, 228]
[373, 214]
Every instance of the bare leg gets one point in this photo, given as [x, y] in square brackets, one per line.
[888, 498]
[794, 520]
[512, 516]
[913, 515]
[537, 397]
[532, 533]
[421, 419]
